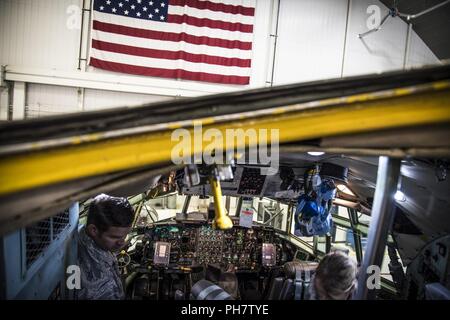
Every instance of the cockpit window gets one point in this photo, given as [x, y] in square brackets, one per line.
[364, 218]
[343, 239]
[265, 210]
[166, 207]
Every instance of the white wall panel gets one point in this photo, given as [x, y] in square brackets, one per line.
[419, 53]
[261, 42]
[35, 34]
[378, 51]
[310, 40]
[19, 95]
[100, 99]
[44, 100]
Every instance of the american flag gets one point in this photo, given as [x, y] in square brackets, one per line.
[201, 40]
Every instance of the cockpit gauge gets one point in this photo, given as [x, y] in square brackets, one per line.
[269, 255]
[123, 259]
[162, 253]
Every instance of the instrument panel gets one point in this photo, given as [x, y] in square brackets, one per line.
[187, 245]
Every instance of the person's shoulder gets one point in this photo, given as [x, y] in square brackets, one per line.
[86, 251]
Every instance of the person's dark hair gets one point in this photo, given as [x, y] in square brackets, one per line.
[106, 211]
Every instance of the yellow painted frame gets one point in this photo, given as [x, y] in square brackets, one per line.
[84, 159]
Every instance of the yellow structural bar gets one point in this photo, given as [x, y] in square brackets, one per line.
[221, 219]
[39, 168]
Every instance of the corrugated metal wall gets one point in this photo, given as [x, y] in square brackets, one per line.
[45, 34]
[310, 40]
[377, 52]
[100, 99]
[312, 44]
[38, 33]
[261, 43]
[35, 33]
[45, 100]
[312, 34]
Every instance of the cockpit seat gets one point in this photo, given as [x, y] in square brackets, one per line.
[206, 290]
[294, 285]
[224, 279]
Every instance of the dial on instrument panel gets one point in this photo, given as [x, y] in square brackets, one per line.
[123, 259]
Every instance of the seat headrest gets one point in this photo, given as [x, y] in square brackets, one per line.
[206, 290]
[291, 267]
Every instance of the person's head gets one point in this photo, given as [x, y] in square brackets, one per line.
[336, 277]
[109, 221]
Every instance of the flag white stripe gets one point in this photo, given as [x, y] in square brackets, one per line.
[173, 27]
[171, 45]
[243, 3]
[169, 64]
[212, 15]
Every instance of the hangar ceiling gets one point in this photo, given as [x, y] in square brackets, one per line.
[432, 27]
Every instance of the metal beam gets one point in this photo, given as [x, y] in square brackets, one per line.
[191, 119]
[137, 212]
[92, 155]
[382, 217]
[362, 35]
[327, 244]
[272, 217]
[407, 45]
[238, 207]
[186, 204]
[315, 243]
[306, 247]
[346, 223]
[356, 234]
[227, 203]
[416, 15]
[109, 82]
[19, 95]
[4, 103]
[400, 153]
[290, 213]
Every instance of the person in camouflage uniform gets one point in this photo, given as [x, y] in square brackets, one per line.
[108, 223]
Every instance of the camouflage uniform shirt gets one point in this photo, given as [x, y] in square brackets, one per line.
[100, 277]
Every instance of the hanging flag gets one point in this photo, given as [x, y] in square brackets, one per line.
[183, 39]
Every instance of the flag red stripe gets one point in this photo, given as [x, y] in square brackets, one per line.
[170, 36]
[168, 73]
[215, 24]
[170, 55]
[220, 7]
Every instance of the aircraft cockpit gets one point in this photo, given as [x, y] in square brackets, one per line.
[176, 250]
[357, 166]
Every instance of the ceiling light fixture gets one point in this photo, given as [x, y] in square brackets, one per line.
[316, 153]
[400, 196]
